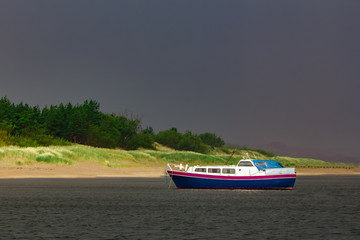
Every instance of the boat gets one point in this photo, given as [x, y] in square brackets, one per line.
[247, 174]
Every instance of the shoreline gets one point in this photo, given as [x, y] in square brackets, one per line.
[79, 170]
[327, 171]
[94, 170]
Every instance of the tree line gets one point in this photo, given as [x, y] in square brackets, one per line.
[24, 125]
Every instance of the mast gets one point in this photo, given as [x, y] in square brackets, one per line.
[230, 157]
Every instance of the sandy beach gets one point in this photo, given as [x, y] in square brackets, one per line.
[327, 171]
[79, 170]
[93, 170]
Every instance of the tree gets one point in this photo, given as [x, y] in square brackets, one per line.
[7, 110]
[212, 140]
[148, 130]
[143, 140]
[57, 121]
[169, 138]
[190, 142]
[128, 128]
[114, 131]
[6, 129]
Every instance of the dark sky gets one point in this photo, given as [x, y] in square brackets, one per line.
[253, 72]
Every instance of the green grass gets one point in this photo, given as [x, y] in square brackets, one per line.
[68, 155]
[309, 163]
[52, 159]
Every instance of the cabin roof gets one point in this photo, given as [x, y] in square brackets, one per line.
[265, 164]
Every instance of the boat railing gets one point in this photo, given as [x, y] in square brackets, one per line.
[177, 167]
[169, 166]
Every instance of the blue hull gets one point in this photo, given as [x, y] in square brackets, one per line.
[196, 182]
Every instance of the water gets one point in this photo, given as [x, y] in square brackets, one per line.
[319, 207]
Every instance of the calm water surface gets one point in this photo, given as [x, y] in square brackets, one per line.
[319, 207]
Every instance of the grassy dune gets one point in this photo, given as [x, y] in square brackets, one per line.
[68, 155]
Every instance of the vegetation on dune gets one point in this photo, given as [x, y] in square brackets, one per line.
[309, 163]
[67, 155]
[188, 141]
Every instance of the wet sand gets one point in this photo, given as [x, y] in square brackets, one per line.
[93, 170]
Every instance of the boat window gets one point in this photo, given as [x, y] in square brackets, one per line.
[214, 170]
[261, 163]
[228, 170]
[200, 169]
[245, 164]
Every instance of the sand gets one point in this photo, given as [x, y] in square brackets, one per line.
[93, 170]
[79, 170]
[327, 171]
